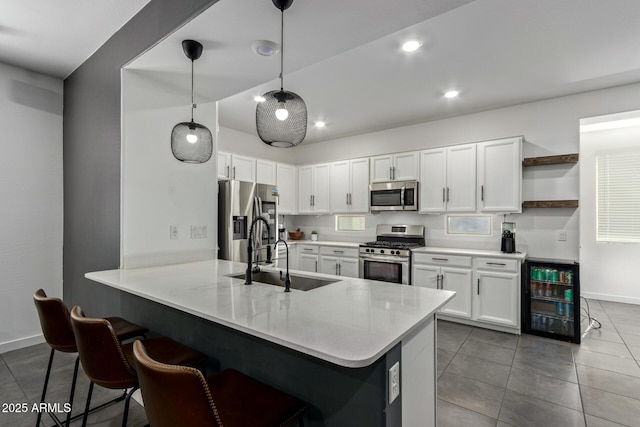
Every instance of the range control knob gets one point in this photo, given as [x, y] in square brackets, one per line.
[381, 251]
[392, 252]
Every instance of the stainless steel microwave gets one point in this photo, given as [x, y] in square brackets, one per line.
[393, 196]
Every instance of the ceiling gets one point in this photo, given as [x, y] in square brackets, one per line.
[344, 58]
[55, 37]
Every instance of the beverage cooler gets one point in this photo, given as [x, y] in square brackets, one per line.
[551, 299]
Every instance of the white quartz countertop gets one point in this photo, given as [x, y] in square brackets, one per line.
[325, 243]
[350, 323]
[471, 252]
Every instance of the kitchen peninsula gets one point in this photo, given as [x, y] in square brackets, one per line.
[332, 346]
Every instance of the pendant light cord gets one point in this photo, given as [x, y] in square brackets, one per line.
[282, 50]
[192, 104]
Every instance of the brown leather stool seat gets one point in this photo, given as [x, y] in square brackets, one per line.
[182, 396]
[110, 364]
[58, 333]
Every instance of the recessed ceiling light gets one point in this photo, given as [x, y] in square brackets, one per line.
[451, 94]
[259, 98]
[411, 45]
[265, 47]
[320, 124]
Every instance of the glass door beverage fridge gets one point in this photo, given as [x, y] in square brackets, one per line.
[551, 299]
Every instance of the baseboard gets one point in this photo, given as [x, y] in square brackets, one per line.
[612, 298]
[21, 343]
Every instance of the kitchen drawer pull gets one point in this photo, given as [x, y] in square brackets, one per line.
[307, 249]
[440, 259]
[338, 252]
[501, 264]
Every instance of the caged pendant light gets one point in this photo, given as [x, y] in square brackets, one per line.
[281, 119]
[191, 142]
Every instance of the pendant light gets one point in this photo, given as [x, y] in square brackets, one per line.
[191, 142]
[281, 119]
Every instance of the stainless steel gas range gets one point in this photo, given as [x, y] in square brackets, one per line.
[388, 258]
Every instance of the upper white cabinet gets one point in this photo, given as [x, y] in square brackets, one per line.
[286, 178]
[349, 186]
[313, 189]
[500, 175]
[233, 166]
[265, 172]
[224, 165]
[395, 167]
[448, 179]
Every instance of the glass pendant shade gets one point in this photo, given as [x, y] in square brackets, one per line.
[278, 132]
[191, 142]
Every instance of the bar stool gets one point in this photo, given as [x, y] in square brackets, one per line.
[58, 333]
[182, 396]
[110, 364]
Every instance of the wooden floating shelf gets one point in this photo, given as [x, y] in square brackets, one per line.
[550, 204]
[550, 160]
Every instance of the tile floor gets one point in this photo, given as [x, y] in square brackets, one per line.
[485, 378]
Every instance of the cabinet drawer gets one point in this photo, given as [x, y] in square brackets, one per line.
[339, 251]
[497, 264]
[442, 259]
[307, 249]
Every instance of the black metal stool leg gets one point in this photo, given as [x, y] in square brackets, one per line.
[46, 383]
[73, 390]
[86, 408]
[126, 407]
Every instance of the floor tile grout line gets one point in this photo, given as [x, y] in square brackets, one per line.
[508, 377]
[470, 410]
[613, 325]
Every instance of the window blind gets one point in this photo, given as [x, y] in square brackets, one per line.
[618, 197]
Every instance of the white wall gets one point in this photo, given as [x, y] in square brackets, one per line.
[549, 127]
[31, 197]
[158, 190]
[233, 141]
[607, 269]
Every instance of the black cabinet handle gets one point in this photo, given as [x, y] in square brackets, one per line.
[478, 286]
[440, 259]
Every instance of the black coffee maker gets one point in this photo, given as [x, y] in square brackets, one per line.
[508, 243]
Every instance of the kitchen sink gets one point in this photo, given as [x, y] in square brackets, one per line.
[301, 283]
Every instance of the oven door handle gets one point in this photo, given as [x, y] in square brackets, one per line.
[397, 260]
[402, 190]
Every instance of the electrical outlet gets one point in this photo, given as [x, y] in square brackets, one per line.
[394, 382]
[562, 235]
[173, 231]
[198, 231]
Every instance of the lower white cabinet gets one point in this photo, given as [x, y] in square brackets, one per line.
[487, 287]
[435, 275]
[497, 298]
[308, 258]
[339, 261]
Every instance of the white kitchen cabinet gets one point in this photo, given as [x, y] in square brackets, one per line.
[234, 166]
[339, 261]
[487, 285]
[500, 175]
[281, 260]
[448, 179]
[307, 262]
[224, 165]
[265, 172]
[286, 178]
[497, 291]
[313, 189]
[452, 273]
[395, 167]
[349, 180]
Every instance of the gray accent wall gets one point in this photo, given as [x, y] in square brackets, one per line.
[91, 151]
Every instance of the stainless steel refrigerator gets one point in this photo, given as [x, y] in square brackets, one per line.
[239, 203]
